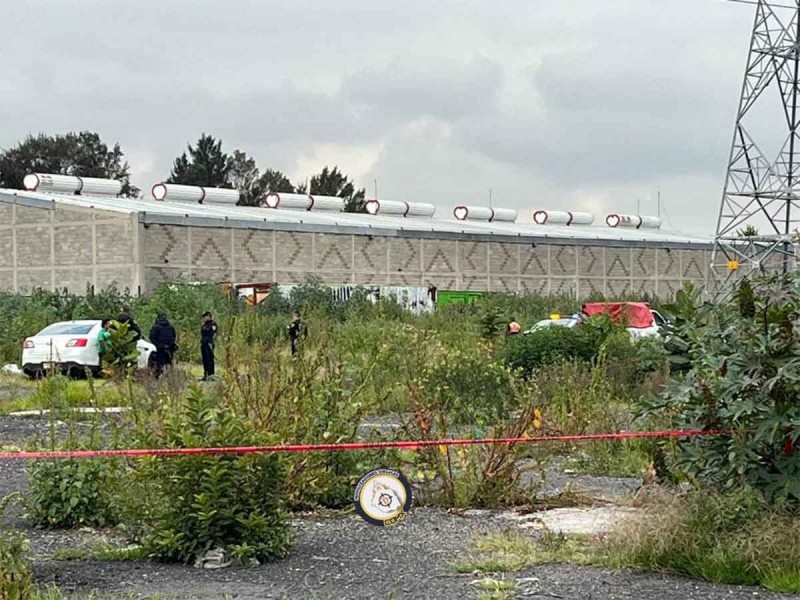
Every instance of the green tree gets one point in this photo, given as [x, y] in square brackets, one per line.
[245, 177]
[332, 182]
[275, 181]
[81, 154]
[749, 231]
[206, 165]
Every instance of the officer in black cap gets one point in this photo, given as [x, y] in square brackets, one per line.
[208, 334]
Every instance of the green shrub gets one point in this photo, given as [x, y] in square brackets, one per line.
[744, 377]
[16, 577]
[549, 346]
[72, 493]
[188, 505]
[733, 537]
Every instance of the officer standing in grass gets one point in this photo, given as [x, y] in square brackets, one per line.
[296, 328]
[208, 334]
[164, 338]
[103, 339]
[133, 327]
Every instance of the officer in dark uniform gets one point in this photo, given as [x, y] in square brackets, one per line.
[126, 317]
[208, 334]
[164, 338]
[296, 328]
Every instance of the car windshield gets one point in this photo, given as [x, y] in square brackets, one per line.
[67, 329]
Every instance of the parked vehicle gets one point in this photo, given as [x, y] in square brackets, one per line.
[70, 347]
[641, 320]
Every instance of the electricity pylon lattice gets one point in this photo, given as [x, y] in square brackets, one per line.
[760, 211]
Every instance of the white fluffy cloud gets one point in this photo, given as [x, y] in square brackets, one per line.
[578, 104]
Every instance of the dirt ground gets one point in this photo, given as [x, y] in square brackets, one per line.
[345, 558]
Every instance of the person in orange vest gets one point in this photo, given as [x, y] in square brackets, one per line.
[513, 328]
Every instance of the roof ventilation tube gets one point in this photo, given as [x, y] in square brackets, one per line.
[173, 192]
[404, 209]
[482, 213]
[71, 184]
[633, 221]
[303, 202]
[558, 217]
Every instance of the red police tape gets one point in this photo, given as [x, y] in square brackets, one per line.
[351, 446]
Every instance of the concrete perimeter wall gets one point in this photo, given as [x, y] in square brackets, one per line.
[190, 253]
[57, 246]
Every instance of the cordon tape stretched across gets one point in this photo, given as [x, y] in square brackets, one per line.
[353, 446]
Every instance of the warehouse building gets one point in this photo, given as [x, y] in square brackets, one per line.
[56, 240]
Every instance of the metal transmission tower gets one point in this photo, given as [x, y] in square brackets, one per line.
[760, 210]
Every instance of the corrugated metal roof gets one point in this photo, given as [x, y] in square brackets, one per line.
[152, 211]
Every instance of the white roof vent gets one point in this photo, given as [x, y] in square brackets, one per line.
[71, 184]
[404, 209]
[483, 213]
[558, 217]
[303, 202]
[172, 192]
[633, 221]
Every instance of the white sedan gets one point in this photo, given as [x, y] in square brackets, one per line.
[70, 347]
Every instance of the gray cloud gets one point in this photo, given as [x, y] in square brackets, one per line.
[574, 103]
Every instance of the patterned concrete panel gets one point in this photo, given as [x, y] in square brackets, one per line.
[333, 252]
[114, 243]
[370, 254]
[473, 257]
[67, 214]
[439, 256]
[371, 278]
[404, 255]
[590, 261]
[563, 260]
[618, 262]
[293, 277]
[27, 215]
[533, 260]
[694, 264]
[165, 245]
[474, 283]
[618, 288]
[668, 264]
[591, 287]
[211, 248]
[534, 286]
[121, 276]
[72, 245]
[77, 281]
[254, 276]
[211, 275]
[6, 280]
[6, 213]
[253, 250]
[405, 279]
[564, 286]
[29, 280]
[6, 249]
[644, 288]
[442, 282]
[504, 284]
[294, 251]
[35, 253]
[667, 288]
[644, 262]
[504, 258]
[154, 276]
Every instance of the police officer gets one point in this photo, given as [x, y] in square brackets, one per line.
[164, 338]
[126, 317]
[208, 334]
[296, 328]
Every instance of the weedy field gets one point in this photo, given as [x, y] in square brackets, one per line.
[283, 524]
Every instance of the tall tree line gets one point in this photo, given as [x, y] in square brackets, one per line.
[205, 163]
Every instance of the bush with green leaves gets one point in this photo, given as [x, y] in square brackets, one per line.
[16, 576]
[66, 493]
[744, 378]
[185, 506]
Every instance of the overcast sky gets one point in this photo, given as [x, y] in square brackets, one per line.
[561, 104]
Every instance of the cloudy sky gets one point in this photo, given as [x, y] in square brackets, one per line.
[570, 104]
